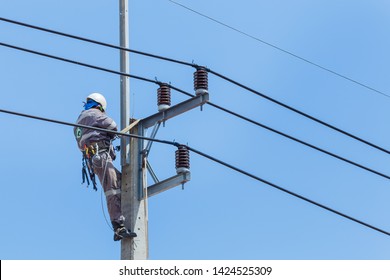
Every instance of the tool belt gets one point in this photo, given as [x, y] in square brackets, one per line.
[94, 148]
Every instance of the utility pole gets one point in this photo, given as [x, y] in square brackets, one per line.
[133, 208]
[134, 152]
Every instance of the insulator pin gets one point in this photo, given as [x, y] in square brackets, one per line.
[163, 97]
[182, 159]
[201, 83]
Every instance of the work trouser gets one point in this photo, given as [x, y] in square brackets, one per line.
[110, 179]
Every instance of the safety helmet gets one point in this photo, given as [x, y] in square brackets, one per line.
[99, 99]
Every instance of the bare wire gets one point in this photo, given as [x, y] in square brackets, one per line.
[207, 156]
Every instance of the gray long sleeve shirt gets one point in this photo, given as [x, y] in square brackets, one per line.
[96, 118]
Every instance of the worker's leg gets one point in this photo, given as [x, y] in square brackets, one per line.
[110, 179]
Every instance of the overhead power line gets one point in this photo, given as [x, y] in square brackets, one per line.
[281, 49]
[210, 103]
[88, 127]
[300, 112]
[93, 41]
[196, 66]
[207, 156]
[78, 63]
[285, 190]
[287, 136]
[175, 60]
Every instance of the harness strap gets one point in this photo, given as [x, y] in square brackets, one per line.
[87, 166]
[112, 192]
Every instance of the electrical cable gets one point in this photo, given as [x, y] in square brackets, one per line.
[102, 184]
[299, 112]
[78, 63]
[171, 59]
[94, 41]
[104, 212]
[88, 127]
[205, 156]
[196, 66]
[211, 104]
[287, 136]
[285, 190]
[282, 50]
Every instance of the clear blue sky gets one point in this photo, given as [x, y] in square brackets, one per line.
[45, 212]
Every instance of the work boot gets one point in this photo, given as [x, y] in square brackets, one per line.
[123, 232]
[120, 231]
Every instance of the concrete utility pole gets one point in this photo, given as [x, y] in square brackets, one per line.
[133, 208]
[134, 152]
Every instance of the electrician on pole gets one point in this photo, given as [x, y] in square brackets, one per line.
[98, 156]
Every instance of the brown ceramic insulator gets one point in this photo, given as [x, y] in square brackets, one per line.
[182, 157]
[201, 83]
[164, 95]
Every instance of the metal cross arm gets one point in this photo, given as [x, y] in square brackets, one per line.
[169, 183]
[175, 110]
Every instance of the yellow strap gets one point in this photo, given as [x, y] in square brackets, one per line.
[126, 129]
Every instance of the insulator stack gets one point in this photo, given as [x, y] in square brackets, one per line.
[163, 97]
[201, 82]
[182, 159]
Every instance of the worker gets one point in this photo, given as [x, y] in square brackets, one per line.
[97, 147]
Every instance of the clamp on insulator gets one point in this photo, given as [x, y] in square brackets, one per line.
[182, 159]
[163, 97]
[201, 83]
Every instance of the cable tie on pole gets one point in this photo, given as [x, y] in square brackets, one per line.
[176, 144]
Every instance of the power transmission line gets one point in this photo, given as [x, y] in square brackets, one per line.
[282, 50]
[93, 41]
[207, 156]
[196, 66]
[287, 136]
[285, 190]
[77, 62]
[300, 112]
[211, 104]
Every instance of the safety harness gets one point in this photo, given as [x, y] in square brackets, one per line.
[88, 174]
[88, 153]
